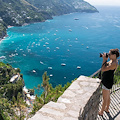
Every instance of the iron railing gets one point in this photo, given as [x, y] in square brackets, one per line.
[116, 85]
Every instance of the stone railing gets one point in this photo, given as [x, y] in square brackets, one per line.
[79, 102]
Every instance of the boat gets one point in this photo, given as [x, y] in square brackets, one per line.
[48, 48]
[57, 48]
[24, 54]
[63, 64]
[46, 43]
[87, 47]
[51, 75]
[76, 18]
[2, 57]
[50, 68]
[70, 30]
[78, 67]
[33, 71]
[41, 62]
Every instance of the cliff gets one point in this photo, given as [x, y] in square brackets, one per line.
[59, 7]
[20, 12]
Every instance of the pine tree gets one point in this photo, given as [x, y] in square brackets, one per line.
[45, 84]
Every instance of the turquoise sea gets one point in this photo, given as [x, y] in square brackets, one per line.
[40, 47]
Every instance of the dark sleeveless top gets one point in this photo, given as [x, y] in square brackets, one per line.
[107, 78]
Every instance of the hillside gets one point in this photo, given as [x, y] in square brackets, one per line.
[59, 7]
[3, 28]
[20, 12]
[9, 89]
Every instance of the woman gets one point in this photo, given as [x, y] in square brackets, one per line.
[108, 69]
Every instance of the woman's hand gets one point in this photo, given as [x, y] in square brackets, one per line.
[104, 57]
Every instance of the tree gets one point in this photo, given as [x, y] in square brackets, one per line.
[38, 89]
[45, 84]
[20, 104]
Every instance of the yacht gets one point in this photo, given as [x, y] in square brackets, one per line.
[41, 62]
[51, 75]
[57, 48]
[63, 64]
[50, 68]
[70, 30]
[76, 18]
[2, 57]
[78, 67]
[33, 71]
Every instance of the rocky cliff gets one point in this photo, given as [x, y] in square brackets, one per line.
[20, 12]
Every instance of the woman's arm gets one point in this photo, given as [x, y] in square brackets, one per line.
[109, 66]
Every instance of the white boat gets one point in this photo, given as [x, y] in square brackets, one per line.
[50, 68]
[70, 30]
[76, 18]
[78, 67]
[46, 43]
[2, 57]
[57, 48]
[33, 71]
[48, 48]
[24, 54]
[87, 47]
[76, 38]
[51, 75]
[63, 64]
[41, 62]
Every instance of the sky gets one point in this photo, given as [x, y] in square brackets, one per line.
[104, 2]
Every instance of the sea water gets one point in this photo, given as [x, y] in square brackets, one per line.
[44, 46]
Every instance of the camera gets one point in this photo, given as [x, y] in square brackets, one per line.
[102, 55]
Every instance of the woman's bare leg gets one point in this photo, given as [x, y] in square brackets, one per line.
[106, 101]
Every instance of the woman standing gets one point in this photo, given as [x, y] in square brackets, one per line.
[108, 69]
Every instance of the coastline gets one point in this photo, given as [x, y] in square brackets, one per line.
[6, 35]
[1, 39]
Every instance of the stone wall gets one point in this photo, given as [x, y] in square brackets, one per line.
[79, 102]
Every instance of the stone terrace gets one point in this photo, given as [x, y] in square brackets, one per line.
[79, 102]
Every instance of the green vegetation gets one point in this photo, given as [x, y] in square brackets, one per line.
[22, 12]
[10, 93]
[3, 27]
[117, 75]
[59, 7]
[49, 93]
